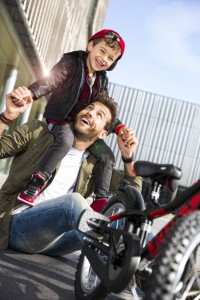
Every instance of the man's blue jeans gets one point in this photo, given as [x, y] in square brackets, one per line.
[49, 227]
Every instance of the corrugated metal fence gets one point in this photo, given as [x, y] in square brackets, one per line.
[168, 129]
[59, 26]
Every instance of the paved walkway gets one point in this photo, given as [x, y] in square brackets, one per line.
[39, 277]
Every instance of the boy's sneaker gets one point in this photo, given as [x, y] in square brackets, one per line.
[98, 204]
[33, 188]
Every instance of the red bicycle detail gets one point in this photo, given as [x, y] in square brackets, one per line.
[117, 253]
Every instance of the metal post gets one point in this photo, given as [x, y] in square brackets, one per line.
[10, 80]
[25, 115]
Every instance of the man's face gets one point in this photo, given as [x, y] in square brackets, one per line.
[90, 122]
[100, 56]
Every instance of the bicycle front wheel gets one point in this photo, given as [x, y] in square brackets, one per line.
[87, 283]
[176, 275]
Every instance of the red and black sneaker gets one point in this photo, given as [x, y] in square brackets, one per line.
[33, 188]
[98, 204]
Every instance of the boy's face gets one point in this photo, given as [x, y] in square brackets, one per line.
[100, 56]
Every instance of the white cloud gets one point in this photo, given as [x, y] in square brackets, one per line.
[173, 31]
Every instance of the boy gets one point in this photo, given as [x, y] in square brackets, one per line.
[73, 82]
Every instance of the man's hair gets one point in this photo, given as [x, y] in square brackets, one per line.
[113, 108]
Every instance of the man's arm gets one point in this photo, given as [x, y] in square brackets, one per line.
[127, 148]
[127, 143]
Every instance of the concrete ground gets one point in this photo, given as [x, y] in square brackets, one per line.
[27, 277]
[39, 277]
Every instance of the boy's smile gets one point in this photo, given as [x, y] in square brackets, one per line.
[100, 57]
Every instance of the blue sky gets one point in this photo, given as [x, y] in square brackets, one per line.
[162, 52]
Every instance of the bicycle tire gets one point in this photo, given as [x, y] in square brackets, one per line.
[82, 289]
[174, 267]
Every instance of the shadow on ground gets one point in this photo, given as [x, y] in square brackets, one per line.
[25, 276]
[39, 277]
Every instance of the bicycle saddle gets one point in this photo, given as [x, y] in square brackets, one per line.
[149, 169]
[165, 173]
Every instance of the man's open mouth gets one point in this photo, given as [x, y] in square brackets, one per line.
[85, 120]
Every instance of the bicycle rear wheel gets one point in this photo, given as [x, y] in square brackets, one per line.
[176, 275]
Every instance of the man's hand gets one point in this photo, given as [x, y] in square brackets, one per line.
[21, 96]
[127, 141]
[17, 102]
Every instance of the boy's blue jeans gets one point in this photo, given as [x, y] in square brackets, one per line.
[50, 227]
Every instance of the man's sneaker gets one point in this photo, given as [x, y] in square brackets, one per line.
[33, 188]
[99, 204]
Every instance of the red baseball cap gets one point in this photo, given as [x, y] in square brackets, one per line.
[109, 33]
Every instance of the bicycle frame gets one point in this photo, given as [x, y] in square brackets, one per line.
[137, 253]
[187, 202]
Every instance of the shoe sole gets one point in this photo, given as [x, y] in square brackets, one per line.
[24, 201]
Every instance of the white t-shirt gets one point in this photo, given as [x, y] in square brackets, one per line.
[65, 179]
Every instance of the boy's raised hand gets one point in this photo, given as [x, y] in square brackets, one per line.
[17, 102]
[21, 96]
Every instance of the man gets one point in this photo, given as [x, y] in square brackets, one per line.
[50, 226]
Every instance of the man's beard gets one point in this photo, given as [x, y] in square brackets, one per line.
[87, 136]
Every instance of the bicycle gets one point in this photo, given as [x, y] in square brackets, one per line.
[116, 252]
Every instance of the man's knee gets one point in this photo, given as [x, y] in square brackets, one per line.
[76, 201]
